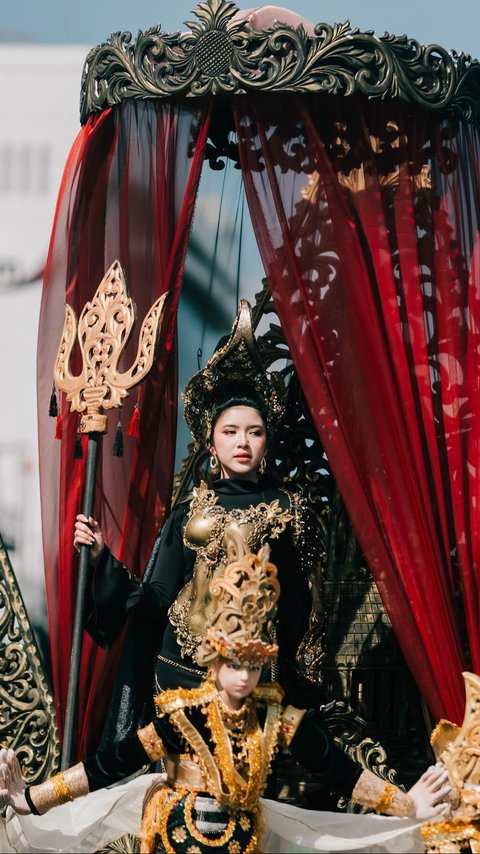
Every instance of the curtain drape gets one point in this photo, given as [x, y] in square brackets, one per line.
[127, 193]
[366, 216]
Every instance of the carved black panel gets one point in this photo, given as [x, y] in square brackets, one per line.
[27, 714]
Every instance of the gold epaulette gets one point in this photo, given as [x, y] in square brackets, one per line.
[184, 698]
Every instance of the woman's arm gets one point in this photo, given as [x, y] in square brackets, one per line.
[171, 568]
[113, 592]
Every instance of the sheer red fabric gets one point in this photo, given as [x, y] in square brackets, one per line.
[367, 220]
[127, 193]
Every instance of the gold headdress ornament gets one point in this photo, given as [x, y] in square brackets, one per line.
[245, 606]
[237, 362]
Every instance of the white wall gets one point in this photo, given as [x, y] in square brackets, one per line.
[39, 97]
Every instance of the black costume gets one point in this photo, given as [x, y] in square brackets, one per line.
[114, 594]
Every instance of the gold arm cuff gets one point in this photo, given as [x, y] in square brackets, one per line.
[63, 787]
[291, 720]
[151, 742]
[386, 801]
[373, 792]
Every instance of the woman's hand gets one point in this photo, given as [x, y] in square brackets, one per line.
[88, 533]
[12, 784]
[430, 793]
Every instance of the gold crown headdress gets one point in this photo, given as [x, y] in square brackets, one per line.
[245, 606]
[458, 748]
[238, 362]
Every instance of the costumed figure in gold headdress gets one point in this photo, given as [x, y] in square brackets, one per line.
[458, 748]
[218, 741]
[233, 408]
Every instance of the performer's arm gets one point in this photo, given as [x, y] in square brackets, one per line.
[113, 592]
[313, 746]
[297, 556]
[171, 569]
[107, 766]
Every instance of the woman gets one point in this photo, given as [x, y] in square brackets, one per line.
[219, 740]
[233, 408]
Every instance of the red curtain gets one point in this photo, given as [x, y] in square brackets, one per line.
[127, 193]
[367, 220]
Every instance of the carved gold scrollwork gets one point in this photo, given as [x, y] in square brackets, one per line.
[27, 715]
[103, 330]
[387, 157]
[219, 54]
[462, 755]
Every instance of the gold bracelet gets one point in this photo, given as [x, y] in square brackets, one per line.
[385, 802]
[61, 789]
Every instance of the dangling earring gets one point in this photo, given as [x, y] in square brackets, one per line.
[263, 466]
[214, 464]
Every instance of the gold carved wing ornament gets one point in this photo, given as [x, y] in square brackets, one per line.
[458, 748]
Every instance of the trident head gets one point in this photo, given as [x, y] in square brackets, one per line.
[103, 330]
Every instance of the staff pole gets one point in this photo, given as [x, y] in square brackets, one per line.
[103, 330]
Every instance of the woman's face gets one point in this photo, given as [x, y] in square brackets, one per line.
[239, 442]
[236, 681]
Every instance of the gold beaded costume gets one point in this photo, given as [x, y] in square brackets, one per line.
[218, 758]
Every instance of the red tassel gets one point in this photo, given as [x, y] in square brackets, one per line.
[132, 429]
[58, 427]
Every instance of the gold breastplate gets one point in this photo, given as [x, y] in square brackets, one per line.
[207, 524]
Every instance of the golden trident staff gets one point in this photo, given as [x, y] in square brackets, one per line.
[103, 330]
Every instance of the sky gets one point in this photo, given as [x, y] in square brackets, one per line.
[453, 25]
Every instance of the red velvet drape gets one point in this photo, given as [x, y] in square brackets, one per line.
[128, 192]
[367, 220]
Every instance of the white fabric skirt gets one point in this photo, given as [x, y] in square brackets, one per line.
[88, 824]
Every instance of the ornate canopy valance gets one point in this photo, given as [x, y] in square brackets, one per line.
[221, 54]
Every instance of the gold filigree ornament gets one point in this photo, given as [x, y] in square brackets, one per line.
[103, 330]
[460, 753]
[245, 606]
[451, 835]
